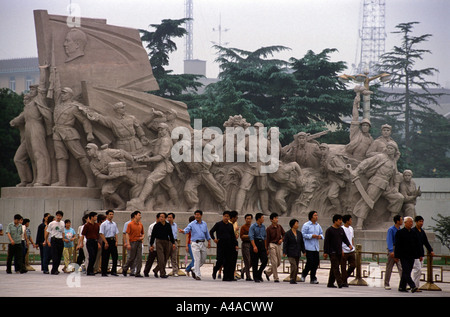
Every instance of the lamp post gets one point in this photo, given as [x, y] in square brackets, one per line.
[365, 80]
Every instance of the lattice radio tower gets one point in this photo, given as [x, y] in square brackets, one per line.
[189, 45]
[372, 34]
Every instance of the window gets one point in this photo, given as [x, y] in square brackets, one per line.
[12, 83]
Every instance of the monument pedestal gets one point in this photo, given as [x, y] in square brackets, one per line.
[33, 202]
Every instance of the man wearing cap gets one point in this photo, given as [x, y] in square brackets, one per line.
[305, 153]
[67, 139]
[381, 171]
[379, 144]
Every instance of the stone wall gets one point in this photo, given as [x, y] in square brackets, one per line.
[33, 202]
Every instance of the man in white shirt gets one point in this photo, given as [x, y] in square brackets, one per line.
[54, 238]
[109, 235]
[348, 255]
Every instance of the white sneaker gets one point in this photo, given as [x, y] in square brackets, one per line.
[387, 287]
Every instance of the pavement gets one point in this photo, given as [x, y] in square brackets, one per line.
[78, 285]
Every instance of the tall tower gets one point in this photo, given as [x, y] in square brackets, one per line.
[191, 65]
[189, 45]
[372, 34]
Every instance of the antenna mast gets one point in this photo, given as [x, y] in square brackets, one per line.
[372, 34]
[189, 13]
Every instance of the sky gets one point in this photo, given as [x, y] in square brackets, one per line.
[300, 25]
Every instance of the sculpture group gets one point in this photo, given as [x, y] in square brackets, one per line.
[70, 140]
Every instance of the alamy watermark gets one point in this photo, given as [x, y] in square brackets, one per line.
[250, 144]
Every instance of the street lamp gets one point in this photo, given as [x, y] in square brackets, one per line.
[365, 80]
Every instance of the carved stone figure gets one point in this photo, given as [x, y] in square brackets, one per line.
[37, 118]
[74, 44]
[336, 172]
[67, 138]
[305, 153]
[21, 158]
[381, 171]
[128, 133]
[379, 144]
[162, 167]
[109, 166]
[200, 174]
[410, 192]
[360, 138]
[288, 179]
[250, 171]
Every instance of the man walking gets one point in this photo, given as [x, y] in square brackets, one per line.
[332, 246]
[391, 261]
[348, 255]
[55, 230]
[226, 245]
[14, 233]
[165, 242]
[199, 235]
[109, 233]
[423, 241]
[134, 238]
[312, 232]
[407, 250]
[257, 235]
[275, 236]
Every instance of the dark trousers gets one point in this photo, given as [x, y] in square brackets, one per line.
[57, 252]
[148, 265]
[407, 266]
[312, 263]
[163, 250]
[261, 255]
[92, 248]
[15, 251]
[347, 271]
[111, 251]
[45, 253]
[226, 258]
[335, 269]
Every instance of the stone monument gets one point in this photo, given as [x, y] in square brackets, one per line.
[97, 139]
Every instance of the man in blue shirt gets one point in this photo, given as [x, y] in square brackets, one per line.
[390, 238]
[312, 232]
[199, 235]
[257, 235]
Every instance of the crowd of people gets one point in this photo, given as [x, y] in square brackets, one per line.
[96, 242]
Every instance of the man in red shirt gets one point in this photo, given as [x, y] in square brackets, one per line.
[91, 232]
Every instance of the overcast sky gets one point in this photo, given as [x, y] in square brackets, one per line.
[301, 25]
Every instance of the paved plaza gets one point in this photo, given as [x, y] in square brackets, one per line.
[36, 284]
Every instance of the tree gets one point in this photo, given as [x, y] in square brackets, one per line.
[11, 104]
[300, 95]
[410, 100]
[319, 98]
[442, 229]
[160, 45]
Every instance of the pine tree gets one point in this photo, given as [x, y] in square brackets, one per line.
[160, 44]
[409, 101]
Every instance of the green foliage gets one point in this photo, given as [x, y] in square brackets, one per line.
[421, 133]
[442, 229]
[11, 104]
[160, 45]
[299, 95]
